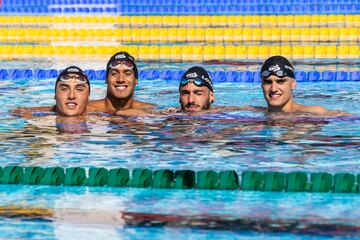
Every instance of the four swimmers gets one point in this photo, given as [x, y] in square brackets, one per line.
[196, 91]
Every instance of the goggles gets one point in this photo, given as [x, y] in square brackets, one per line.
[197, 81]
[279, 73]
[115, 64]
[68, 77]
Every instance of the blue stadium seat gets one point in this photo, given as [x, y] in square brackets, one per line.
[342, 76]
[353, 76]
[313, 76]
[328, 76]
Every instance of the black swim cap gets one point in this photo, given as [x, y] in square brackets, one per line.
[73, 70]
[200, 74]
[122, 56]
[278, 66]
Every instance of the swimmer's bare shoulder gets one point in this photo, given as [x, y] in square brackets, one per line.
[96, 106]
[139, 104]
[320, 110]
[28, 111]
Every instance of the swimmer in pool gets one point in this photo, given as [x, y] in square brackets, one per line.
[121, 79]
[72, 90]
[278, 82]
[197, 93]
[196, 90]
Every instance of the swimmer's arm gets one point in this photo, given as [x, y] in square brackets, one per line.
[28, 111]
[319, 110]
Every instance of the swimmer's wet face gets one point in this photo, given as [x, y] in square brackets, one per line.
[121, 79]
[195, 98]
[196, 90]
[278, 91]
[72, 95]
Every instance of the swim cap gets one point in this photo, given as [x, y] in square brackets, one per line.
[278, 66]
[197, 73]
[122, 56]
[73, 70]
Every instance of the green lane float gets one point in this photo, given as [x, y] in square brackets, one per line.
[321, 182]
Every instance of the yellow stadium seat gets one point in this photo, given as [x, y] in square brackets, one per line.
[209, 35]
[163, 35]
[232, 21]
[238, 34]
[354, 51]
[219, 35]
[266, 34]
[275, 34]
[219, 52]
[320, 51]
[256, 34]
[274, 50]
[181, 34]
[202, 21]
[263, 52]
[172, 34]
[334, 34]
[309, 52]
[343, 52]
[165, 52]
[126, 35]
[200, 34]
[209, 52]
[247, 34]
[305, 34]
[131, 49]
[314, 34]
[241, 52]
[228, 35]
[197, 53]
[331, 52]
[186, 53]
[191, 34]
[285, 34]
[297, 52]
[175, 52]
[323, 34]
[286, 51]
[315, 20]
[252, 52]
[230, 52]
[268, 21]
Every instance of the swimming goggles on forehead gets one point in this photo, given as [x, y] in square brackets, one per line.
[115, 64]
[68, 77]
[197, 81]
[279, 73]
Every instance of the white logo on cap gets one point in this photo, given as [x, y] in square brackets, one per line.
[191, 75]
[120, 56]
[206, 79]
[274, 68]
[73, 70]
[289, 68]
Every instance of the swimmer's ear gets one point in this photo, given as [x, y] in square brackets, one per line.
[212, 97]
[293, 84]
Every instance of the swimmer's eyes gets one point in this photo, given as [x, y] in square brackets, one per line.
[269, 82]
[186, 92]
[80, 88]
[127, 73]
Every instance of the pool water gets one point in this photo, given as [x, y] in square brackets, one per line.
[232, 140]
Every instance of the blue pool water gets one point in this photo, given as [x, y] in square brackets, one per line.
[237, 140]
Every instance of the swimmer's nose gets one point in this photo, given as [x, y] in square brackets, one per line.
[191, 98]
[274, 86]
[71, 94]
